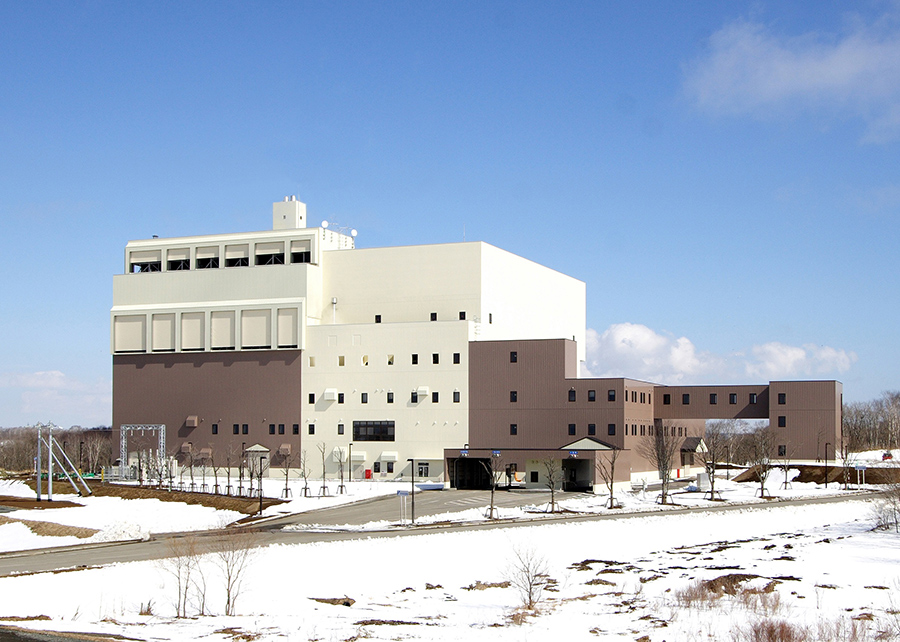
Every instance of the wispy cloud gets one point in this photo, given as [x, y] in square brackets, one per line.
[634, 350]
[52, 395]
[749, 69]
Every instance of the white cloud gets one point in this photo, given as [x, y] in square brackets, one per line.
[636, 351]
[748, 69]
[27, 398]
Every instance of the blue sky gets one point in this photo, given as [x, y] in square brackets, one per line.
[725, 177]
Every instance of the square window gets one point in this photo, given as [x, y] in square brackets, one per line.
[434, 397]
[513, 396]
[435, 358]
[215, 429]
[667, 399]
[462, 315]
[312, 429]
[713, 399]
[340, 429]
[295, 429]
[456, 396]
[572, 394]
[782, 450]
[513, 357]
[592, 429]
[782, 421]
[686, 399]
[280, 429]
[376, 467]
[415, 359]
[434, 316]
[340, 397]
[592, 395]
[377, 318]
[513, 429]
[235, 429]
[312, 397]
[390, 466]
[732, 398]
[610, 395]
[753, 397]
[611, 429]
[782, 398]
[364, 397]
[390, 397]
[414, 397]
[455, 358]
[245, 429]
[271, 429]
[535, 477]
[571, 429]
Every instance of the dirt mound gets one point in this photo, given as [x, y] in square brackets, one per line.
[816, 474]
[49, 529]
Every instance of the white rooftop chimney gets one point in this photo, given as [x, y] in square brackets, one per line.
[289, 214]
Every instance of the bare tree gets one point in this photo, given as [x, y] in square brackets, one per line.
[527, 573]
[761, 444]
[181, 563]
[324, 489]
[216, 467]
[230, 454]
[341, 455]
[232, 555]
[718, 441]
[606, 470]
[659, 448]
[493, 467]
[553, 476]
[304, 472]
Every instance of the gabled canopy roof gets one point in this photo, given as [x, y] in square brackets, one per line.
[588, 443]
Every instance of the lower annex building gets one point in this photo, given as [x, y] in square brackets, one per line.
[446, 355]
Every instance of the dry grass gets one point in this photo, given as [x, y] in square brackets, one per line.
[49, 529]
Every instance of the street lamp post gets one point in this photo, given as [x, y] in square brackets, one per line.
[412, 489]
[827, 444]
[262, 459]
[350, 463]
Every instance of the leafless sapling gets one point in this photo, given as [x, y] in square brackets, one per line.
[606, 470]
[553, 474]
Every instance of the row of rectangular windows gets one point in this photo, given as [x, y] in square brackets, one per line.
[591, 429]
[364, 360]
[414, 397]
[714, 398]
[434, 317]
[611, 430]
[212, 263]
[244, 429]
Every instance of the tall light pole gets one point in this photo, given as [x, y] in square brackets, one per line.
[412, 490]
[262, 459]
[350, 462]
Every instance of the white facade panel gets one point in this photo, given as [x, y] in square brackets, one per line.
[163, 333]
[222, 331]
[130, 333]
[192, 331]
[256, 328]
[288, 327]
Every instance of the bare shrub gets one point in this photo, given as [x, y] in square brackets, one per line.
[527, 573]
[770, 631]
[887, 509]
[232, 554]
[181, 563]
[697, 594]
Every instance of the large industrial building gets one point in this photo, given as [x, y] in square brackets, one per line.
[442, 355]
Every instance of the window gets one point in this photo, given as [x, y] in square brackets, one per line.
[312, 429]
[211, 262]
[490, 317]
[390, 359]
[340, 429]
[679, 431]
[782, 421]
[713, 399]
[435, 358]
[434, 397]
[610, 395]
[642, 430]
[592, 395]
[312, 397]
[782, 398]
[455, 358]
[376, 467]
[456, 396]
[390, 466]
[312, 362]
[377, 318]
[633, 430]
[390, 397]
[513, 357]
[611, 429]
[414, 397]
[373, 431]
[271, 429]
[686, 399]
[295, 429]
[643, 397]
[667, 399]
[434, 316]
[592, 429]
[535, 477]
[215, 429]
[513, 396]
[732, 398]
[752, 397]
[513, 429]
[572, 394]
[340, 397]
[341, 360]
[235, 429]
[245, 429]
[415, 359]
[462, 315]
[782, 450]
[364, 397]
[571, 429]
[633, 396]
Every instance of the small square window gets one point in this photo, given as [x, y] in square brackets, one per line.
[753, 397]
[245, 429]
[462, 315]
[340, 397]
[592, 395]
[376, 467]
[415, 359]
[312, 397]
[215, 429]
[377, 318]
[513, 396]
[535, 476]
[513, 429]
[364, 397]
[414, 397]
[435, 358]
[782, 398]
[713, 399]
[782, 450]
[782, 421]
[434, 316]
[435, 397]
[390, 397]
[610, 395]
[572, 394]
[456, 396]
[312, 429]
[686, 399]
[235, 429]
[513, 357]
[611, 429]
[271, 429]
[455, 358]
[732, 398]
[592, 429]
[571, 429]
[340, 429]
[295, 429]
[390, 466]
[667, 399]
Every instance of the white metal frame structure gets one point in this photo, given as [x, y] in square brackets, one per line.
[128, 429]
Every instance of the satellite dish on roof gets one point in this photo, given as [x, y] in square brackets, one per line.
[353, 233]
[324, 224]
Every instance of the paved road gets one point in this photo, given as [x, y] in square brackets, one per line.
[271, 533]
